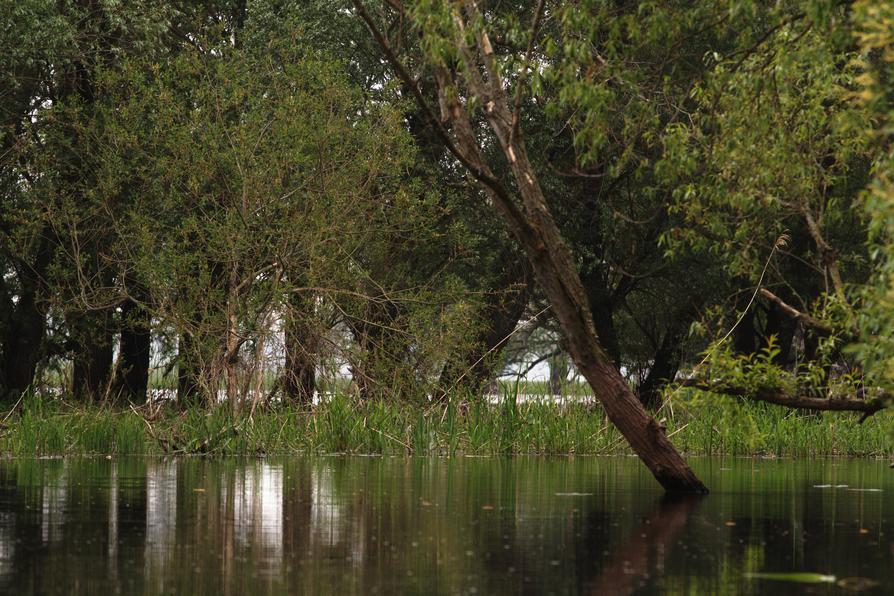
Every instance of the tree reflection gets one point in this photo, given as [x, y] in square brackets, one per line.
[643, 554]
[399, 525]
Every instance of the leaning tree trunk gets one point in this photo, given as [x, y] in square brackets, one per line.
[532, 224]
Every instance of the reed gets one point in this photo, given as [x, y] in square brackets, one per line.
[722, 427]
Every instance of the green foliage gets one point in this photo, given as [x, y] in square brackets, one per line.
[699, 425]
[873, 31]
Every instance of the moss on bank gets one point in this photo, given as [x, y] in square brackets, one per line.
[721, 427]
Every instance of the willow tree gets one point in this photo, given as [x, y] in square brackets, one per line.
[457, 54]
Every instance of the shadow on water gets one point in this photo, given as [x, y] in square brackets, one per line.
[441, 526]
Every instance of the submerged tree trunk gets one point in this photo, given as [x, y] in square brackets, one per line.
[132, 378]
[532, 224]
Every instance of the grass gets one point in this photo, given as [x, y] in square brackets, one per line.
[698, 427]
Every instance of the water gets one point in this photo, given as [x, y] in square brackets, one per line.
[333, 525]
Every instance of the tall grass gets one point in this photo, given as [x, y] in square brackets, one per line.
[53, 427]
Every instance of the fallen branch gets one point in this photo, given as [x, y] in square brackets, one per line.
[776, 396]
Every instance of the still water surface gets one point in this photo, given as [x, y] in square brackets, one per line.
[355, 525]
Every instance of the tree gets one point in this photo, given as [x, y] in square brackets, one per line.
[458, 50]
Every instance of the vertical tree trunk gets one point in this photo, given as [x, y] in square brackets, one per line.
[558, 372]
[301, 345]
[22, 346]
[92, 370]
[503, 308]
[781, 326]
[602, 307]
[188, 371]
[133, 364]
[665, 364]
[232, 344]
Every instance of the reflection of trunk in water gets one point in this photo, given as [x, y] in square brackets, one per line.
[647, 548]
[161, 521]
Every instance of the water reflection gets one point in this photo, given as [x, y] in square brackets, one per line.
[643, 554]
[395, 525]
[161, 516]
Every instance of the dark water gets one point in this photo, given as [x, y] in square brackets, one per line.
[327, 525]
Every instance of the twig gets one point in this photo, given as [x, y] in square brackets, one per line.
[486, 354]
[8, 414]
[386, 435]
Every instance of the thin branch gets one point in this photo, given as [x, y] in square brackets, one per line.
[535, 28]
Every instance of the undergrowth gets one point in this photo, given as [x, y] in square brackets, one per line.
[698, 427]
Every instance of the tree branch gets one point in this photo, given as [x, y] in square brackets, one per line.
[535, 29]
[797, 314]
[775, 396]
[501, 196]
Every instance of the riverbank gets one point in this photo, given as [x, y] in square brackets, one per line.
[696, 426]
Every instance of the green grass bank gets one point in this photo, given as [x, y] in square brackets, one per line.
[696, 426]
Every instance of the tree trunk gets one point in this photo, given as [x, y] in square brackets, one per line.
[22, 346]
[232, 344]
[558, 372]
[602, 307]
[188, 373]
[533, 226]
[133, 364]
[503, 308]
[92, 370]
[299, 379]
[665, 364]
[781, 326]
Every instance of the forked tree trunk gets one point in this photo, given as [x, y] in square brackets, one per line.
[535, 229]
